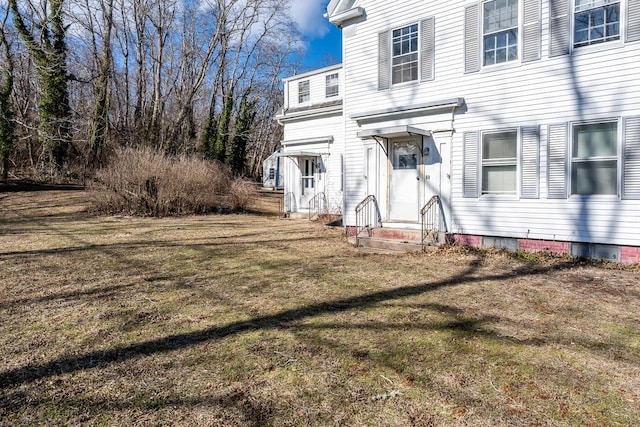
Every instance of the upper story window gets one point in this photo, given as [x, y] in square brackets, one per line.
[500, 31]
[596, 21]
[332, 86]
[304, 94]
[405, 54]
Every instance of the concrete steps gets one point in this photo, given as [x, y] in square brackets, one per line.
[393, 240]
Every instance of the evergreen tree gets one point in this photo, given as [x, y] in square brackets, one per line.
[221, 144]
[244, 120]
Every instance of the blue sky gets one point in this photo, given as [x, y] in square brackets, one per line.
[322, 39]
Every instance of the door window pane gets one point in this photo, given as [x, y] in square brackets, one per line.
[405, 155]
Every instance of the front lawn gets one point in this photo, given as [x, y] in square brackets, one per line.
[251, 320]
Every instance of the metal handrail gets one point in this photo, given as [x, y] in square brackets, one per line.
[317, 205]
[431, 219]
[367, 216]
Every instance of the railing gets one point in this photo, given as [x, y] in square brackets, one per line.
[432, 220]
[367, 216]
[317, 205]
[287, 204]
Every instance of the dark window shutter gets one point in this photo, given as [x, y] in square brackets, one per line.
[531, 31]
[557, 164]
[559, 27]
[384, 57]
[633, 20]
[472, 38]
[428, 40]
[529, 162]
[470, 165]
[631, 159]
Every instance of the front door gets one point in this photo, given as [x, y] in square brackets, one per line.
[308, 167]
[404, 182]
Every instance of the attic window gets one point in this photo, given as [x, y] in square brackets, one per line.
[304, 94]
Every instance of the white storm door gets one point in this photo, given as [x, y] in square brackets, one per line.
[404, 182]
[308, 183]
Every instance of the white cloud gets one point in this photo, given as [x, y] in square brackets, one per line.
[308, 17]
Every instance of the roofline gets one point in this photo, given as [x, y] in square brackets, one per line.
[313, 72]
[309, 113]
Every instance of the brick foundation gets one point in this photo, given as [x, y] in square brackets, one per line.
[529, 245]
[468, 239]
[629, 254]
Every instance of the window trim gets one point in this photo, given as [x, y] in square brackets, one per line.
[306, 93]
[623, 4]
[618, 157]
[519, 40]
[501, 162]
[336, 85]
[417, 52]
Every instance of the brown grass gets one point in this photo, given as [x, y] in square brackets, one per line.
[249, 320]
[144, 181]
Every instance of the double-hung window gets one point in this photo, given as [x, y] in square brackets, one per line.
[332, 88]
[594, 158]
[596, 21]
[304, 95]
[499, 162]
[405, 54]
[500, 31]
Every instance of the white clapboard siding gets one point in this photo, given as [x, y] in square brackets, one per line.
[548, 88]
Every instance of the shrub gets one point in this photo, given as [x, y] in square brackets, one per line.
[147, 182]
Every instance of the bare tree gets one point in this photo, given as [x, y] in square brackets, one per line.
[6, 105]
[46, 42]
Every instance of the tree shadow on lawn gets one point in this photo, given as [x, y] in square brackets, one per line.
[100, 358]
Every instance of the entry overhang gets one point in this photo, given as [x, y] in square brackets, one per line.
[393, 132]
[300, 154]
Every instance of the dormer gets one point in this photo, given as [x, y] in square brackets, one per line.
[341, 11]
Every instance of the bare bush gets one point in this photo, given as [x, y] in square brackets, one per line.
[147, 182]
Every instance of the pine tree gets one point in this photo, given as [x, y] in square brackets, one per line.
[244, 120]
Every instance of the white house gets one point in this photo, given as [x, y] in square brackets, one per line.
[313, 144]
[522, 116]
[272, 171]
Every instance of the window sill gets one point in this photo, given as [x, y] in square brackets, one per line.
[499, 197]
[404, 84]
[594, 197]
[500, 67]
[599, 47]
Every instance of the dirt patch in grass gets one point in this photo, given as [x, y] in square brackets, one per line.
[253, 320]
